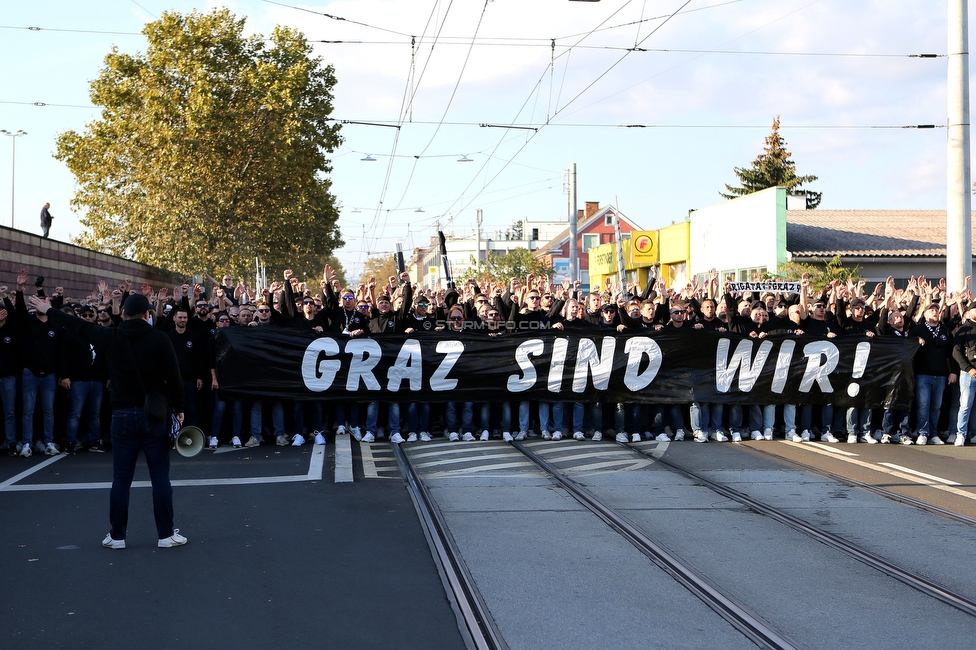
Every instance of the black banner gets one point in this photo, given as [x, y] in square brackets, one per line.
[662, 367]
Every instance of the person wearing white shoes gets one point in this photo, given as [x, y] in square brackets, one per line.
[934, 368]
[212, 443]
[964, 354]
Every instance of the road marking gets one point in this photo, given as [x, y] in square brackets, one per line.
[369, 463]
[922, 474]
[343, 460]
[814, 446]
[10, 481]
[462, 459]
[481, 469]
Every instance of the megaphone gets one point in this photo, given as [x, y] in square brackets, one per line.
[189, 441]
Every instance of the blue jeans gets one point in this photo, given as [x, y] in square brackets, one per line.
[706, 417]
[277, 418]
[220, 407]
[132, 432]
[190, 403]
[467, 414]
[8, 393]
[418, 417]
[967, 390]
[928, 403]
[858, 421]
[373, 414]
[347, 414]
[85, 394]
[889, 419]
[32, 388]
[789, 417]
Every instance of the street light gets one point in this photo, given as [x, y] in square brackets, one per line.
[13, 166]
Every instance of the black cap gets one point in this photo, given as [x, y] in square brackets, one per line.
[135, 305]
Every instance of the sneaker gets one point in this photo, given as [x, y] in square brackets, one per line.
[412, 436]
[468, 436]
[282, 441]
[507, 437]
[369, 437]
[212, 442]
[108, 542]
[96, 447]
[253, 441]
[51, 450]
[39, 447]
[885, 438]
[356, 433]
[71, 447]
[828, 437]
[905, 439]
[700, 436]
[578, 435]
[453, 437]
[756, 435]
[936, 440]
[485, 435]
[545, 435]
[522, 435]
[768, 434]
[297, 440]
[868, 438]
[173, 540]
[341, 430]
[960, 441]
[396, 438]
[26, 451]
[662, 437]
[852, 438]
[236, 442]
[679, 435]
[556, 435]
[805, 435]
[922, 440]
[736, 436]
[621, 437]
[793, 436]
[597, 436]
[319, 438]
[972, 440]
[424, 436]
[720, 436]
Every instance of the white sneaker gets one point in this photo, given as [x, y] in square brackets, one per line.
[597, 436]
[485, 435]
[885, 438]
[298, 440]
[50, 449]
[356, 432]
[922, 440]
[556, 435]
[578, 435]
[319, 438]
[369, 437]
[236, 441]
[453, 436]
[173, 540]
[905, 439]
[793, 436]
[468, 436]
[868, 438]
[662, 437]
[852, 438]
[951, 439]
[736, 436]
[545, 435]
[108, 542]
[253, 441]
[341, 430]
[700, 436]
[768, 434]
[635, 437]
[396, 439]
[757, 435]
[679, 435]
[936, 440]
[972, 440]
[412, 436]
[621, 437]
[720, 436]
[424, 436]
[507, 437]
[960, 441]
[828, 437]
[522, 435]
[805, 435]
[213, 442]
[26, 452]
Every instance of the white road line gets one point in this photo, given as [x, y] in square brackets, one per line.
[462, 459]
[820, 448]
[10, 481]
[922, 474]
[629, 465]
[369, 464]
[316, 465]
[343, 460]
[481, 469]
[557, 458]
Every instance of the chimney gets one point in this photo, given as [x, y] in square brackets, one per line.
[579, 216]
[592, 207]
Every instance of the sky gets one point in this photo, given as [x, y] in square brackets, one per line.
[704, 78]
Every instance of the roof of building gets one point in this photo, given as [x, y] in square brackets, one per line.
[866, 233]
[581, 226]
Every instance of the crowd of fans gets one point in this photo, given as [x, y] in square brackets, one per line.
[52, 384]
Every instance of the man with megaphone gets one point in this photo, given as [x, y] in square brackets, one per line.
[145, 387]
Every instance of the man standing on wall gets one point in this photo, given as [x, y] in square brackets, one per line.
[46, 220]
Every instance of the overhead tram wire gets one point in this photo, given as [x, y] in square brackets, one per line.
[334, 17]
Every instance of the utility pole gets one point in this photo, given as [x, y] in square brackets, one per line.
[477, 257]
[574, 274]
[959, 230]
[621, 271]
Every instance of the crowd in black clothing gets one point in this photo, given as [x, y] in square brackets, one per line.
[52, 378]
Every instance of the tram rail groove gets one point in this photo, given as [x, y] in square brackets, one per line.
[751, 625]
[873, 560]
[474, 619]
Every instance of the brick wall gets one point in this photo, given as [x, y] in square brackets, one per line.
[76, 269]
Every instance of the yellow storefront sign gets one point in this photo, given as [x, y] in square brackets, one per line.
[644, 247]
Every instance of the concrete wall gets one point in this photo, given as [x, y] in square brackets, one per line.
[76, 269]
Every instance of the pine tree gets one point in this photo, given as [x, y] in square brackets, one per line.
[773, 168]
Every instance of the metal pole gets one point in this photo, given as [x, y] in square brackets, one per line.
[959, 244]
[621, 271]
[477, 257]
[574, 274]
[13, 166]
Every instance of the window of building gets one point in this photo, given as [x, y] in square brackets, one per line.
[590, 241]
[608, 219]
[535, 234]
[754, 274]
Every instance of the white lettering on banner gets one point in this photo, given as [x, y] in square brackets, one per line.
[317, 373]
[817, 371]
[772, 287]
[587, 360]
[782, 370]
[366, 354]
[557, 365]
[408, 365]
[860, 363]
[452, 352]
[726, 368]
[532, 347]
[636, 349]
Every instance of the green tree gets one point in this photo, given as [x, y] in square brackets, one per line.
[821, 272]
[380, 267]
[210, 150]
[773, 168]
[516, 263]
